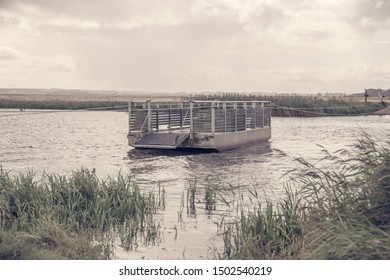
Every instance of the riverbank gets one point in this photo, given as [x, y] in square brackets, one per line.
[382, 112]
[73, 101]
[74, 217]
[294, 105]
[286, 105]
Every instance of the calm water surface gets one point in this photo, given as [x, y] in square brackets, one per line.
[60, 142]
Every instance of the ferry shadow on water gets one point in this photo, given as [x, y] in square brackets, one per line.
[258, 149]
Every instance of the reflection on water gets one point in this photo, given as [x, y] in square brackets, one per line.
[147, 153]
[62, 142]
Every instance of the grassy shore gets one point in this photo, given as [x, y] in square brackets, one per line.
[285, 104]
[75, 217]
[72, 102]
[337, 212]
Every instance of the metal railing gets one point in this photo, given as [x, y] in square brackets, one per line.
[198, 116]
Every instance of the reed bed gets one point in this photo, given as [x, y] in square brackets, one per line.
[210, 199]
[287, 105]
[53, 104]
[337, 212]
[80, 205]
[293, 105]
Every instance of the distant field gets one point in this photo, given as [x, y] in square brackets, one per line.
[285, 104]
[83, 97]
[372, 99]
[72, 101]
[80, 97]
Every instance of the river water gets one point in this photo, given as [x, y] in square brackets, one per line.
[60, 142]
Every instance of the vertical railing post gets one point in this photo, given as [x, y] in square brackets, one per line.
[245, 114]
[130, 116]
[181, 115]
[169, 115]
[224, 110]
[149, 116]
[254, 114]
[262, 111]
[192, 120]
[157, 115]
[236, 118]
[213, 118]
[269, 115]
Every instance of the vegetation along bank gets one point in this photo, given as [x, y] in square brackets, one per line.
[285, 104]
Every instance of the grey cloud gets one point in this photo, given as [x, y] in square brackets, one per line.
[90, 15]
[9, 19]
[371, 16]
[8, 53]
[313, 35]
[305, 77]
[6, 4]
[61, 68]
[105, 11]
[264, 15]
[7, 56]
[210, 29]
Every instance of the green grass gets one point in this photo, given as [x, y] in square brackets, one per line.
[47, 240]
[210, 198]
[58, 104]
[80, 205]
[262, 232]
[292, 105]
[287, 104]
[191, 195]
[339, 211]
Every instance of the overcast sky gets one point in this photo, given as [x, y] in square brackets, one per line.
[196, 45]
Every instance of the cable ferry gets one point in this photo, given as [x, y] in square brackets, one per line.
[216, 125]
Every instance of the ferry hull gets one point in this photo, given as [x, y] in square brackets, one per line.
[228, 140]
[218, 141]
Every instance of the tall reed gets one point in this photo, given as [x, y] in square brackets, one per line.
[293, 105]
[335, 211]
[191, 194]
[81, 203]
[210, 198]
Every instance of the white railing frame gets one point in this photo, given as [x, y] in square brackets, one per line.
[215, 125]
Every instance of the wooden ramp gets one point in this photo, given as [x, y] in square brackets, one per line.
[162, 140]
